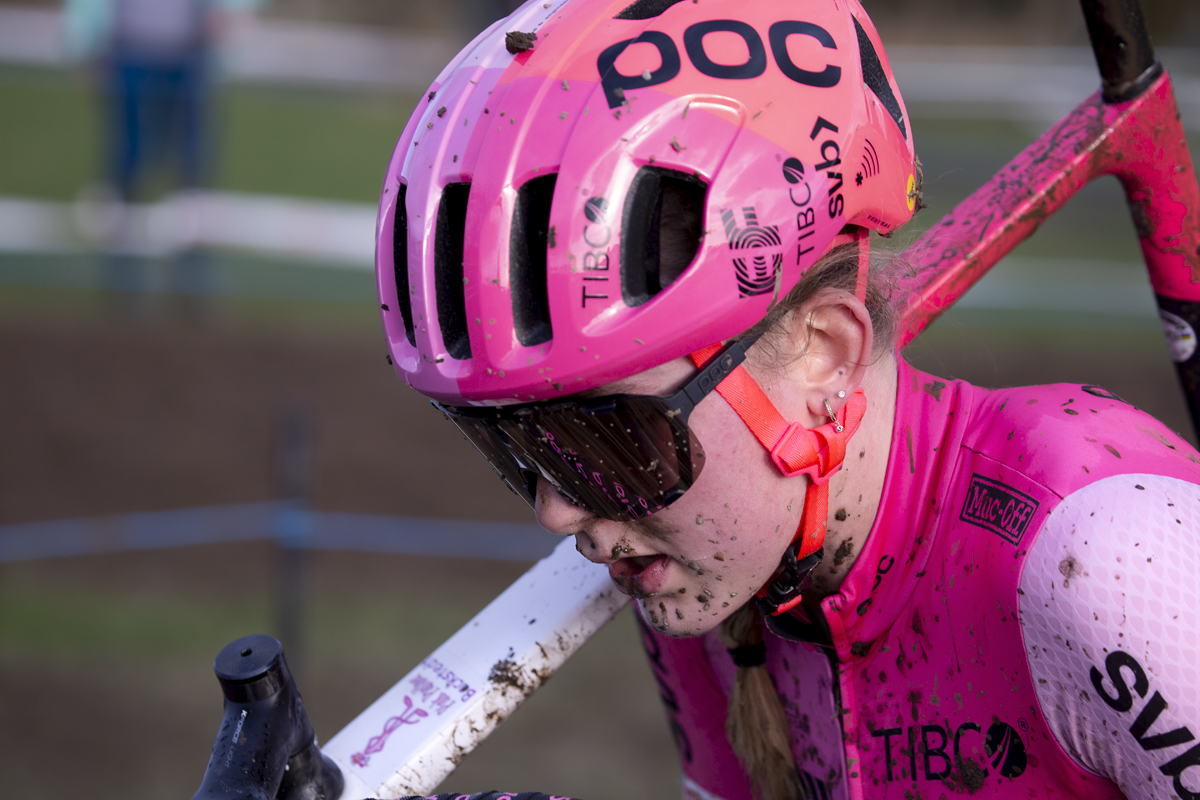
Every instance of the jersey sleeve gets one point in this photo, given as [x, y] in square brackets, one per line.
[1109, 598]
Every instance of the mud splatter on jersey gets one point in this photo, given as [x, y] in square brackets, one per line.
[1020, 622]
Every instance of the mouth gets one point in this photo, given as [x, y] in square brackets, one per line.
[640, 576]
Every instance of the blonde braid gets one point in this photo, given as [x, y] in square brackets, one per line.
[755, 726]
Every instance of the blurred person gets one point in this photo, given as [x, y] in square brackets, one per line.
[628, 258]
[154, 59]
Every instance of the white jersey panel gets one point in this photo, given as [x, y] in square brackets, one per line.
[1110, 601]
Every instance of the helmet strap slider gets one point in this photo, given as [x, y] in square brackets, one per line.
[863, 237]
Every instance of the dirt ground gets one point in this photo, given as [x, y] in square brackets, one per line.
[104, 417]
[105, 682]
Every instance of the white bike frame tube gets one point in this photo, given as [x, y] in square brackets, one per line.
[413, 736]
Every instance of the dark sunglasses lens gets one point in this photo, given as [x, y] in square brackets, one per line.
[487, 438]
[621, 460]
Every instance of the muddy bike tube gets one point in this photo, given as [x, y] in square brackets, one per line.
[413, 736]
[1129, 128]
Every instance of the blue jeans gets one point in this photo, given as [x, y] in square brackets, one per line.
[158, 106]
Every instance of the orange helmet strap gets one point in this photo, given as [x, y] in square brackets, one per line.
[860, 235]
[795, 450]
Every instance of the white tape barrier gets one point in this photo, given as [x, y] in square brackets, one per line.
[244, 522]
[340, 235]
[1033, 84]
[336, 56]
[413, 736]
[331, 232]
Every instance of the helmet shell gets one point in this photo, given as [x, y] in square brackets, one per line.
[788, 112]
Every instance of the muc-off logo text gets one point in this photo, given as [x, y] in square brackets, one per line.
[757, 252]
[1001, 509]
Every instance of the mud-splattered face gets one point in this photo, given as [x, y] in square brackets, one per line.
[692, 564]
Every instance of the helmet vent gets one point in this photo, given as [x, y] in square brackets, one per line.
[660, 231]
[400, 262]
[876, 79]
[448, 269]
[527, 253]
[645, 9]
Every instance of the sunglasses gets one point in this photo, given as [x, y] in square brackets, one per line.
[621, 457]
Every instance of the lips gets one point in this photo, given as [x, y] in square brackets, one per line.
[639, 576]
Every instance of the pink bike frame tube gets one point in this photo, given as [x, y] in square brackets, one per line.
[1141, 141]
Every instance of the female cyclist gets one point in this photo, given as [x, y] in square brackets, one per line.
[624, 247]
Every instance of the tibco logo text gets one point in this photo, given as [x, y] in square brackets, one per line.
[793, 173]
[937, 753]
[597, 235]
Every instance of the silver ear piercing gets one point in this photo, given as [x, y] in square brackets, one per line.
[841, 394]
[837, 426]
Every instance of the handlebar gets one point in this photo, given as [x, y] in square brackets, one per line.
[265, 748]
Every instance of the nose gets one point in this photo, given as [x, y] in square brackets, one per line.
[556, 513]
[595, 538]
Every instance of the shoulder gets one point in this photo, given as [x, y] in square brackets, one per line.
[1109, 601]
[1067, 436]
[1136, 533]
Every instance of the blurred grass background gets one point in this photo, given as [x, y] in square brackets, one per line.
[105, 682]
[290, 141]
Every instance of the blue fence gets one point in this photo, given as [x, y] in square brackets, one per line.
[284, 522]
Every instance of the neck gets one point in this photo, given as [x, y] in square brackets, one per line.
[857, 488]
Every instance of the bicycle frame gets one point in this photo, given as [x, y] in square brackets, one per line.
[1130, 129]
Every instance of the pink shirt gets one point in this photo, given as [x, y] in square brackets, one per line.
[1022, 620]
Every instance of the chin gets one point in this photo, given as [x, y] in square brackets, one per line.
[660, 616]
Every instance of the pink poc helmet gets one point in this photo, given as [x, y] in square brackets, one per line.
[517, 253]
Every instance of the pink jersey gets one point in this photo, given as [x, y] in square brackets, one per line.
[1021, 620]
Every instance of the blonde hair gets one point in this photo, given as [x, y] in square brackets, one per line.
[837, 269]
[755, 726]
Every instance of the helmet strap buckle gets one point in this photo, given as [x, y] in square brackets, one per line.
[793, 578]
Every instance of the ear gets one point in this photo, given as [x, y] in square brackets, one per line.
[833, 335]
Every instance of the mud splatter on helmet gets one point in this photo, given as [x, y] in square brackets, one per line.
[518, 253]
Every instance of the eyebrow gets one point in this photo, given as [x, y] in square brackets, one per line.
[591, 394]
